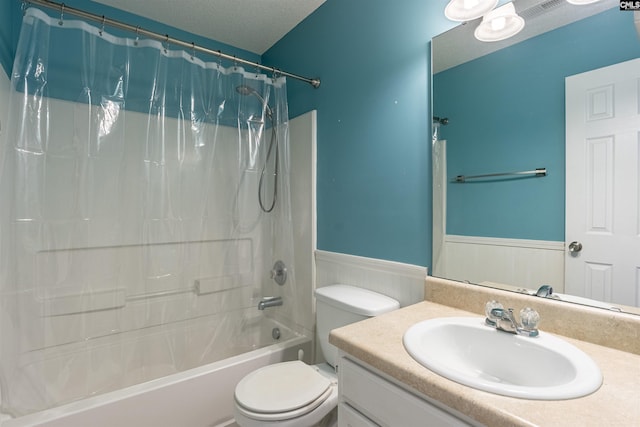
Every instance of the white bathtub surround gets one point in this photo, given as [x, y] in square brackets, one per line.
[133, 244]
[297, 309]
[198, 397]
[120, 321]
[211, 384]
[4, 97]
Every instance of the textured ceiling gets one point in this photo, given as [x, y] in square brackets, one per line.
[253, 25]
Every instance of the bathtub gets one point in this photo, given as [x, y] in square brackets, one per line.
[197, 397]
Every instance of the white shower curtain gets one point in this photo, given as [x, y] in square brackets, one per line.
[131, 233]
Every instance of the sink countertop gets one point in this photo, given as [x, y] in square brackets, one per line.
[378, 342]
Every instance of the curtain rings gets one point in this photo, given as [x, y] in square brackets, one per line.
[166, 44]
[193, 51]
[102, 26]
[136, 41]
[61, 20]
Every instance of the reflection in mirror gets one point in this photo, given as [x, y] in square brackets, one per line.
[505, 111]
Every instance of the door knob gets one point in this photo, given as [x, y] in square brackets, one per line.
[575, 247]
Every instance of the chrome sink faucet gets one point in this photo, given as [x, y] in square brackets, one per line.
[545, 291]
[504, 320]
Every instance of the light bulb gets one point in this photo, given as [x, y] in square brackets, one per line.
[468, 10]
[499, 23]
[470, 4]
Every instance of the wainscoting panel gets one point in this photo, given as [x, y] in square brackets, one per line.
[403, 282]
[521, 263]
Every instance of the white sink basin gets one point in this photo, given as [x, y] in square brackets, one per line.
[465, 350]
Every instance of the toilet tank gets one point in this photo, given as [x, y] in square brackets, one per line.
[341, 305]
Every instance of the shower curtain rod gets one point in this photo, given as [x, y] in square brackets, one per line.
[164, 38]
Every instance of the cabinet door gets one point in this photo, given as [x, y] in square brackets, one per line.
[349, 417]
[385, 403]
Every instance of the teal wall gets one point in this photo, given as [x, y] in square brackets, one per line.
[374, 148]
[506, 113]
[9, 21]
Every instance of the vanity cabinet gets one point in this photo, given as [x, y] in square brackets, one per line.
[367, 399]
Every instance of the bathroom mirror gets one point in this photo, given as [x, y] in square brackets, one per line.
[500, 107]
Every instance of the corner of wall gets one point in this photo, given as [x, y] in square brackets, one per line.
[4, 96]
[10, 25]
[6, 56]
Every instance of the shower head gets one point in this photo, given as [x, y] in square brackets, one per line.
[248, 90]
[245, 90]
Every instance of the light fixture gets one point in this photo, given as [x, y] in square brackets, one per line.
[468, 10]
[499, 24]
[581, 2]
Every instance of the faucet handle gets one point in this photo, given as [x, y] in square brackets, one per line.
[529, 319]
[491, 318]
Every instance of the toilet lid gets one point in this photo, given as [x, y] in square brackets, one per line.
[281, 387]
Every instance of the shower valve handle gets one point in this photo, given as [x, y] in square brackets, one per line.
[279, 273]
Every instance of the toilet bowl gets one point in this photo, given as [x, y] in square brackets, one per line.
[287, 394]
[294, 394]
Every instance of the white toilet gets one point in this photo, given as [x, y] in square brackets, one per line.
[294, 394]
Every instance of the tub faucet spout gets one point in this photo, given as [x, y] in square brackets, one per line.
[267, 302]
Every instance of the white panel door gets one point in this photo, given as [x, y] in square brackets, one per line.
[602, 184]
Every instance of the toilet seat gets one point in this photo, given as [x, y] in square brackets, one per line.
[283, 391]
[279, 416]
